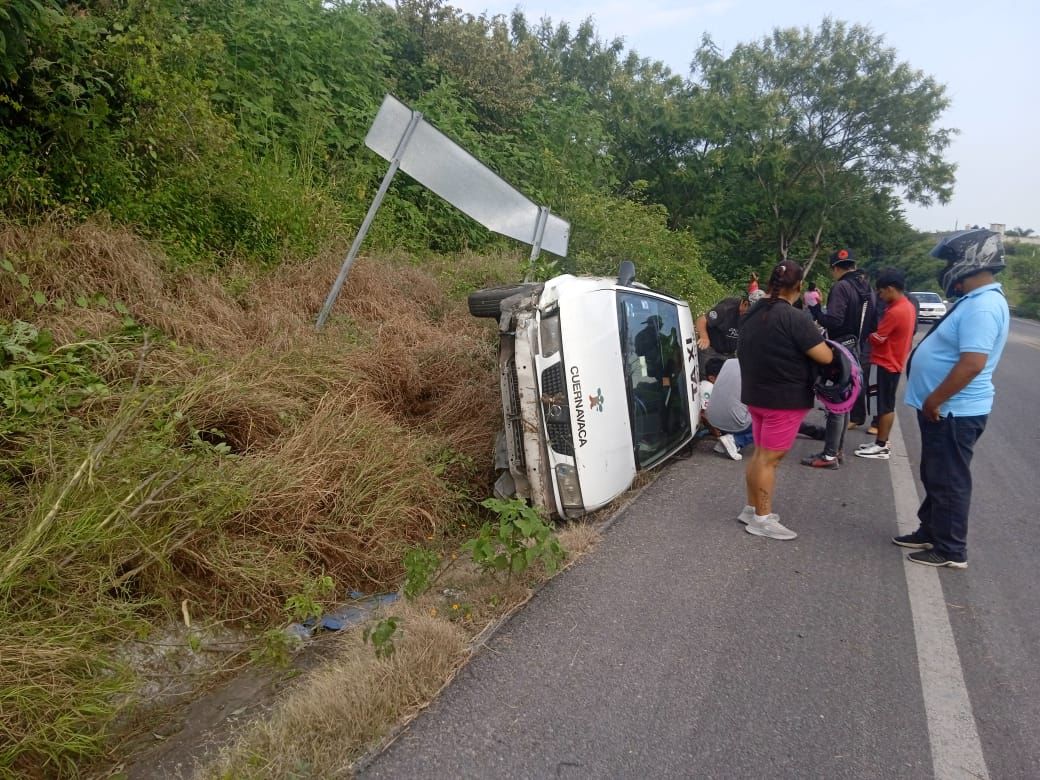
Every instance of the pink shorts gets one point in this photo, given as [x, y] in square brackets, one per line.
[775, 429]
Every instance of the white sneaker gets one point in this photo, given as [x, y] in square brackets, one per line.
[875, 451]
[727, 445]
[771, 528]
[747, 514]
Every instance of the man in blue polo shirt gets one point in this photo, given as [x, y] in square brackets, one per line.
[950, 383]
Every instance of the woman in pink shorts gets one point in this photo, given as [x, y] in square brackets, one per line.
[777, 348]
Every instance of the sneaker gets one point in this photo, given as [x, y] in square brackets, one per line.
[727, 445]
[932, 558]
[875, 451]
[747, 514]
[915, 541]
[770, 528]
[821, 461]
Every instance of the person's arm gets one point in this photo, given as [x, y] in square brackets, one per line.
[885, 328]
[967, 368]
[703, 341]
[837, 304]
[821, 353]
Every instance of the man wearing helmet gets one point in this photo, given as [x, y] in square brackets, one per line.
[949, 382]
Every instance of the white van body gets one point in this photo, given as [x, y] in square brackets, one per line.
[599, 380]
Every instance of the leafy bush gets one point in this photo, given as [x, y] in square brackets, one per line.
[39, 382]
[1023, 278]
[609, 229]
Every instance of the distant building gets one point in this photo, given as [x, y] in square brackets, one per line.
[996, 227]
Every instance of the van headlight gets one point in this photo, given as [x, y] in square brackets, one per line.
[570, 489]
[550, 340]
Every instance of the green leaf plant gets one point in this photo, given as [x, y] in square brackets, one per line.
[521, 537]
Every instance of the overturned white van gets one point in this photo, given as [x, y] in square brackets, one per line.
[599, 380]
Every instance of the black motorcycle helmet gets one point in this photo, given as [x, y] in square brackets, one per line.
[968, 252]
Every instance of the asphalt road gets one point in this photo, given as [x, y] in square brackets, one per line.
[684, 647]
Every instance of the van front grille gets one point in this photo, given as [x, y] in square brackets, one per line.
[560, 437]
[552, 381]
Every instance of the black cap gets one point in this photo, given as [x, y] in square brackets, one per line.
[841, 256]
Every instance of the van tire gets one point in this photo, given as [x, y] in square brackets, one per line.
[487, 302]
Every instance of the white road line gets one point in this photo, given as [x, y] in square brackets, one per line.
[954, 738]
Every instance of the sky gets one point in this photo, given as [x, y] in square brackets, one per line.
[984, 52]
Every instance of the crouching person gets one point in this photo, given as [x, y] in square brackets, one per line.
[726, 412]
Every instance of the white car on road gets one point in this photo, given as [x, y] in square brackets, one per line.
[932, 306]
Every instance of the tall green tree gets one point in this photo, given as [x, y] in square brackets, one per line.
[805, 122]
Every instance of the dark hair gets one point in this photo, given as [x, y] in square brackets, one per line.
[891, 277]
[786, 276]
[713, 367]
[812, 286]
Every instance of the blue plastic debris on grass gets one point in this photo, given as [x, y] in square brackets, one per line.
[343, 617]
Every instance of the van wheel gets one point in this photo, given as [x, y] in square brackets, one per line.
[487, 302]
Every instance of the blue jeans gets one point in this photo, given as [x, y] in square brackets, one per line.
[743, 438]
[946, 450]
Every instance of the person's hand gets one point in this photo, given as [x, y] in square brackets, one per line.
[932, 409]
[703, 342]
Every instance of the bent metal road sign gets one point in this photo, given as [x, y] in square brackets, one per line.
[401, 136]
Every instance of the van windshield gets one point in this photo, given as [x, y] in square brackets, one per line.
[658, 399]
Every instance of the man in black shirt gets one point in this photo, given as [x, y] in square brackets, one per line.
[851, 316]
[718, 328]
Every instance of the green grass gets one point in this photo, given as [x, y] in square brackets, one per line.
[225, 461]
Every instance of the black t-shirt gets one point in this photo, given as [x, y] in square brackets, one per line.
[775, 371]
[723, 321]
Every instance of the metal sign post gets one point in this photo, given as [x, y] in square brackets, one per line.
[536, 242]
[395, 163]
[400, 135]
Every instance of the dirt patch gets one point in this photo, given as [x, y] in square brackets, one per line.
[195, 731]
[338, 697]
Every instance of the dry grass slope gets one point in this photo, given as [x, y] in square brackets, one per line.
[234, 456]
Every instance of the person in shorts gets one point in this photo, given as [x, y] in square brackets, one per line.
[889, 347]
[777, 349]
